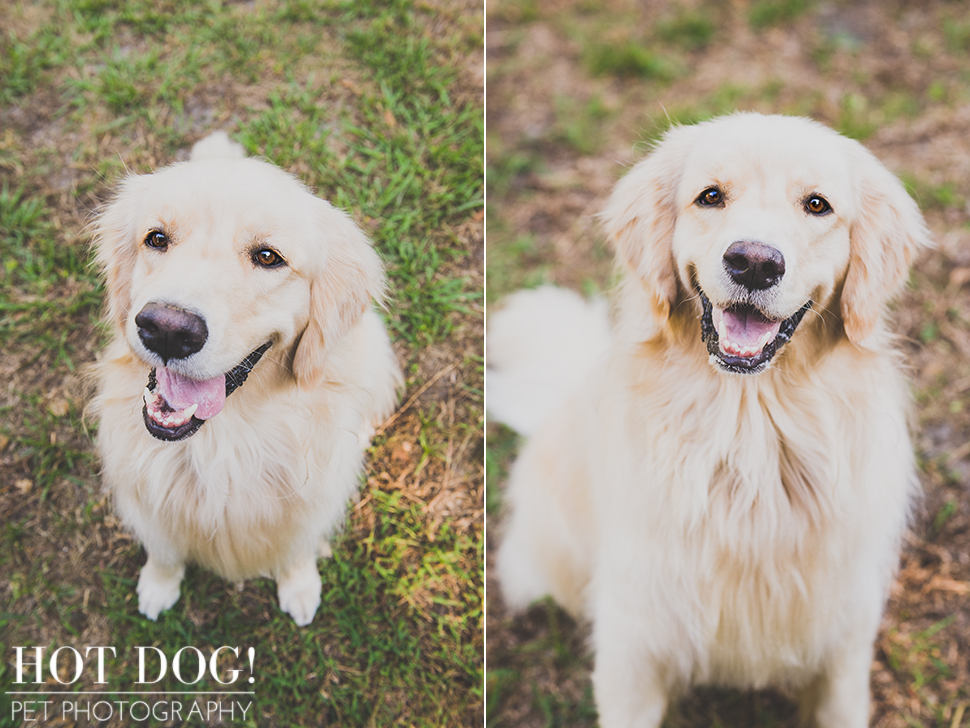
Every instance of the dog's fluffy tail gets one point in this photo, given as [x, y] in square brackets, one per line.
[541, 344]
[217, 145]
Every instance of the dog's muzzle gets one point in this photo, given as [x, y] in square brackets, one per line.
[741, 339]
[175, 407]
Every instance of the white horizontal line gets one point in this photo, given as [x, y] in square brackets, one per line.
[123, 692]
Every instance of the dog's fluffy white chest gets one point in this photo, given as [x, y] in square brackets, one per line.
[242, 505]
[746, 535]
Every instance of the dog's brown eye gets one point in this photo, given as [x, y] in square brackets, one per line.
[817, 205]
[711, 197]
[156, 239]
[268, 258]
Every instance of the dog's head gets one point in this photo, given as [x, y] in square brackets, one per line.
[759, 219]
[212, 264]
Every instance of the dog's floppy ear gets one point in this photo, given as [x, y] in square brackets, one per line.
[640, 217]
[884, 239]
[346, 282]
[115, 232]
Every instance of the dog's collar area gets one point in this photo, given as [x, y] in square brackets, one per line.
[753, 362]
[163, 422]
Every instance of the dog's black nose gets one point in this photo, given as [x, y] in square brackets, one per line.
[170, 332]
[753, 265]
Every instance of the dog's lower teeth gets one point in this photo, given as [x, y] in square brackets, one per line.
[745, 351]
[170, 420]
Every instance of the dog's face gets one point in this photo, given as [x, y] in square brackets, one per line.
[760, 219]
[762, 233]
[211, 264]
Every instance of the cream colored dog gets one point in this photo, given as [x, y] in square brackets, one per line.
[246, 371]
[724, 492]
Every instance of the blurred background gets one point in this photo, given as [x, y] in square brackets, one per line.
[577, 91]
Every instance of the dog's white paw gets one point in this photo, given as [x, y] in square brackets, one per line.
[299, 592]
[158, 588]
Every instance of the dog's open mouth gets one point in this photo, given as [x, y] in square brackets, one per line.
[176, 406]
[741, 339]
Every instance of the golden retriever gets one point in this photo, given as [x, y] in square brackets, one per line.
[245, 373]
[723, 493]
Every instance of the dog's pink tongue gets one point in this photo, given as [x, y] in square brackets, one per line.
[181, 392]
[748, 328]
[744, 331]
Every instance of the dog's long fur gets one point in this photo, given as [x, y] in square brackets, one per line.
[724, 528]
[262, 484]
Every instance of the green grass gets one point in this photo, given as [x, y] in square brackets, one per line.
[957, 35]
[349, 668]
[765, 13]
[503, 443]
[506, 170]
[579, 125]
[630, 58]
[727, 99]
[367, 103]
[48, 459]
[410, 162]
[942, 516]
[932, 196]
[38, 269]
[918, 657]
[514, 266]
[24, 61]
[692, 29]
[518, 11]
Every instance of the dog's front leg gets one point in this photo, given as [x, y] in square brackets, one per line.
[629, 685]
[158, 585]
[839, 697]
[299, 589]
[627, 696]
